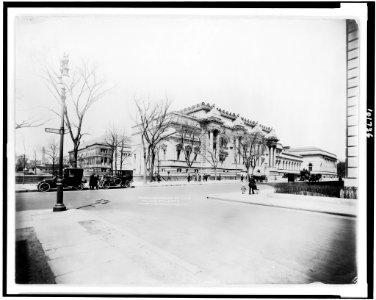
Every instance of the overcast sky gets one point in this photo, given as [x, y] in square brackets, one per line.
[282, 72]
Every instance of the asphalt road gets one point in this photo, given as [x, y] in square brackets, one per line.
[233, 243]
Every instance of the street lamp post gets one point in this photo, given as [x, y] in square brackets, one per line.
[59, 206]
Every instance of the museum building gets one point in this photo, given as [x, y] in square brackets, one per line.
[217, 130]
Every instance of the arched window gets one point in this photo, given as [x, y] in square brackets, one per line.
[215, 135]
[196, 151]
[223, 142]
[188, 151]
[179, 147]
[164, 148]
[310, 167]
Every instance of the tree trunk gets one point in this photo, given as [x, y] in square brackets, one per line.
[115, 158]
[75, 154]
[152, 160]
[145, 162]
[145, 166]
[215, 173]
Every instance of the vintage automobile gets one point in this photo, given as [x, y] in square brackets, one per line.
[126, 177]
[120, 178]
[72, 177]
[314, 178]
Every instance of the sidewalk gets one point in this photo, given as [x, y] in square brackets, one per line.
[267, 197]
[82, 248]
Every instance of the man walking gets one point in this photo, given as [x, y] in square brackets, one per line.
[252, 185]
[91, 181]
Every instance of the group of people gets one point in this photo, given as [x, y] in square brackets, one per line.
[197, 177]
[94, 181]
[251, 185]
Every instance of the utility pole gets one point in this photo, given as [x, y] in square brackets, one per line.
[59, 206]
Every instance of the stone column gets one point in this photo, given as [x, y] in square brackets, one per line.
[237, 139]
[211, 140]
[270, 156]
[237, 149]
[274, 156]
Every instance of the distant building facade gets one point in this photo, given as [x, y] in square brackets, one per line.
[212, 122]
[96, 156]
[317, 161]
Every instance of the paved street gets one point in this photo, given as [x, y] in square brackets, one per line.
[226, 242]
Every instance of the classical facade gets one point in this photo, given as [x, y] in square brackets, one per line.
[96, 156]
[317, 161]
[219, 134]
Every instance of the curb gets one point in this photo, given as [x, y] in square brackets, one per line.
[182, 184]
[286, 207]
[26, 191]
[146, 185]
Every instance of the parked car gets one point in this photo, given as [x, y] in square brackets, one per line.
[72, 177]
[314, 178]
[126, 177]
[120, 178]
[106, 181]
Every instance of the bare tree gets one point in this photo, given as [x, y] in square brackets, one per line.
[35, 161]
[189, 134]
[124, 142]
[112, 140]
[155, 125]
[28, 123]
[218, 153]
[21, 162]
[252, 147]
[52, 152]
[76, 94]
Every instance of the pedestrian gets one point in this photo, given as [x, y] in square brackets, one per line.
[243, 188]
[91, 181]
[189, 177]
[252, 185]
[95, 183]
[168, 176]
[242, 178]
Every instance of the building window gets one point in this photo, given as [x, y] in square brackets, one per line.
[178, 151]
[310, 167]
[178, 170]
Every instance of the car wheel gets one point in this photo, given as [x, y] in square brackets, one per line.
[80, 187]
[117, 181]
[106, 185]
[44, 187]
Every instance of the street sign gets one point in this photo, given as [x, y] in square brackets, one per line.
[53, 130]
